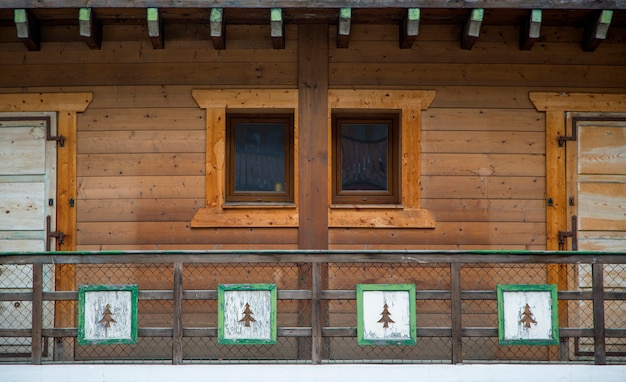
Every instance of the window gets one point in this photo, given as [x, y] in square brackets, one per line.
[366, 166]
[259, 158]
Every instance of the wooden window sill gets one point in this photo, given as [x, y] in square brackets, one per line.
[380, 218]
[252, 216]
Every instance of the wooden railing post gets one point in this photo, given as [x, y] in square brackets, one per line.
[316, 313]
[177, 335]
[37, 314]
[455, 307]
[597, 270]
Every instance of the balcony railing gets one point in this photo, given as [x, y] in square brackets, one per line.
[456, 310]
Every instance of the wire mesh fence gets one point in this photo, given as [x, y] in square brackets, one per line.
[299, 312]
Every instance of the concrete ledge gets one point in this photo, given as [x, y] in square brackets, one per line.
[313, 373]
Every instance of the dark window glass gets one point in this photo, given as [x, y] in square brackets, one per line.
[366, 159]
[259, 158]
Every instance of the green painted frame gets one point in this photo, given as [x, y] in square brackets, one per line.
[134, 295]
[554, 307]
[410, 289]
[221, 289]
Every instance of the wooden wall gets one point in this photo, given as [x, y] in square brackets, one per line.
[140, 150]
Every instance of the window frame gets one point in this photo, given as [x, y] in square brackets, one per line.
[409, 105]
[217, 213]
[392, 194]
[232, 196]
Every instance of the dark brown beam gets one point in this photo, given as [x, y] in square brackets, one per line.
[155, 28]
[90, 28]
[530, 31]
[343, 27]
[456, 4]
[218, 28]
[471, 31]
[277, 28]
[409, 28]
[27, 29]
[596, 30]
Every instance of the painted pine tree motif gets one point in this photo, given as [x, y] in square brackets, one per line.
[386, 319]
[107, 320]
[247, 316]
[527, 317]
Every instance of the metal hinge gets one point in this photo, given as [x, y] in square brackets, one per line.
[60, 236]
[49, 137]
[566, 138]
[565, 234]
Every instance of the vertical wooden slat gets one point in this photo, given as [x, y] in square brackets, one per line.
[313, 136]
[65, 274]
[36, 344]
[316, 313]
[598, 313]
[455, 305]
[177, 337]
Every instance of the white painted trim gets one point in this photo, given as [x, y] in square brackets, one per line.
[313, 373]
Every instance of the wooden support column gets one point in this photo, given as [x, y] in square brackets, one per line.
[313, 162]
[218, 28]
[155, 28]
[597, 30]
[313, 136]
[90, 28]
[27, 29]
[277, 28]
[530, 30]
[343, 27]
[409, 28]
[471, 31]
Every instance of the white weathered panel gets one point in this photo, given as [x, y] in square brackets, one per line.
[22, 150]
[527, 315]
[247, 322]
[381, 306]
[108, 314]
[22, 206]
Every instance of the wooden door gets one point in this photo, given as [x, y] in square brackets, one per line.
[596, 181]
[27, 211]
[596, 187]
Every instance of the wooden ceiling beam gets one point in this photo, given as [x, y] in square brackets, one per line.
[155, 28]
[277, 28]
[27, 29]
[456, 4]
[218, 28]
[530, 31]
[90, 28]
[596, 30]
[343, 28]
[471, 31]
[409, 28]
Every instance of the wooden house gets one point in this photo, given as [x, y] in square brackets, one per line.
[350, 125]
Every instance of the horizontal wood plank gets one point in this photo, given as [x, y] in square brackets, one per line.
[495, 210]
[178, 233]
[458, 233]
[436, 74]
[120, 142]
[133, 120]
[490, 119]
[140, 164]
[483, 187]
[483, 142]
[525, 165]
[128, 210]
[124, 187]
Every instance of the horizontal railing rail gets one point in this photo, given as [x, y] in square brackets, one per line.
[320, 322]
